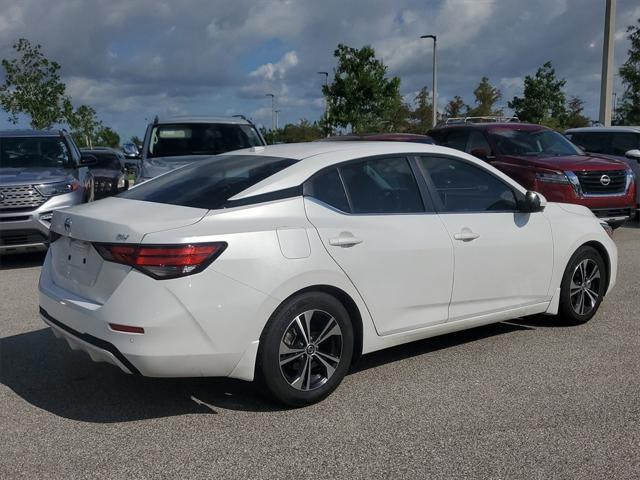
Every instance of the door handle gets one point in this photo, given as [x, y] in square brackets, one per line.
[466, 235]
[344, 240]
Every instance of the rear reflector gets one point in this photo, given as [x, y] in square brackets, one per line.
[125, 328]
[163, 261]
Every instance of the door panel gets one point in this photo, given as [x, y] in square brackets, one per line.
[506, 264]
[402, 265]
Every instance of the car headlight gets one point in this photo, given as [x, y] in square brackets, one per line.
[120, 182]
[58, 188]
[552, 177]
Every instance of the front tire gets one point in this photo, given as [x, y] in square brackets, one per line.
[306, 349]
[583, 286]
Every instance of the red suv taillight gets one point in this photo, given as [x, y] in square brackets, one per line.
[162, 261]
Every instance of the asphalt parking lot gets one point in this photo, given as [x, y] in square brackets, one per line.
[522, 399]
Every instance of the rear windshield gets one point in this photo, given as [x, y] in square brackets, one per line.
[34, 152]
[209, 183]
[108, 161]
[200, 139]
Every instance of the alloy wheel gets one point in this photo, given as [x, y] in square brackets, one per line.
[585, 287]
[310, 350]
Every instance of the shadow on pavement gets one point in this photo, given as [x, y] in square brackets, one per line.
[46, 373]
[21, 260]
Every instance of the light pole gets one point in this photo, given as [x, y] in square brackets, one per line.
[435, 86]
[326, 104]
[277, 112]
[606, 80]
[273, 104]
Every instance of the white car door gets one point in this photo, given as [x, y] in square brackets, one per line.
[503, 258]
[394, 249]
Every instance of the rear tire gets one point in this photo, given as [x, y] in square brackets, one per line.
[305, 349]
[583, 286]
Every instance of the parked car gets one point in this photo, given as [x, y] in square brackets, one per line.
[621, 143]
[543, 160]
[40, 171]
[288, 262]
[109, 172]
[177, 141]
[381, 137]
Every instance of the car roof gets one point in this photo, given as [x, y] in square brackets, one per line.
[203, 119]
[29, 133]
[494, 126]
[618, 129]
[376, 137]
[315, 156]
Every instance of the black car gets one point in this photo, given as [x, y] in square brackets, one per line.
[109, 172]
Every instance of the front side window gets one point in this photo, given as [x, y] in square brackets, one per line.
[34, 152]
[208, 184]
[464, 187]
[511, 141]
[178, 140]
[622, 142]
[382, 185]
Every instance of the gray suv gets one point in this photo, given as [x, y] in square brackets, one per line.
[40, 171]
[172, 142]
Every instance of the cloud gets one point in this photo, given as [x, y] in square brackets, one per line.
[132, 60]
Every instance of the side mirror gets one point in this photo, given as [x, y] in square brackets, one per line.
[130, 150]
[86, 160]
[480, 153]
[633, 155]
[532, 202]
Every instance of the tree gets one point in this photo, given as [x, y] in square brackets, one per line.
[360, 95]
[486, 97]
[304, 131]
[84, 125]
[456, 108]
[628, 109]
[32, 87]
[136, 141]
[544, 99]
[422, 115]
[574, 117]
[108, 138]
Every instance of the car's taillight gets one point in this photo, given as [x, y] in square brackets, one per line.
[163, 261]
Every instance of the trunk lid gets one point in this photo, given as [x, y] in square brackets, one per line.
[77, 267]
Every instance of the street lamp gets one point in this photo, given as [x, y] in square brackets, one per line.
[326, 103]
[435, 94]
[273, 102]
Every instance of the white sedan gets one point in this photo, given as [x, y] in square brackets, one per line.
[286, 263]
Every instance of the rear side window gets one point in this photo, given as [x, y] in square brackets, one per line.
[463, 187]
[383, 185]
[457, 139]
[210, 183]
[327, 187]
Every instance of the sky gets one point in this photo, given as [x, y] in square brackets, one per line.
[134, 59]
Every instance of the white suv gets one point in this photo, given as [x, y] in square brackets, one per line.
[175, 141]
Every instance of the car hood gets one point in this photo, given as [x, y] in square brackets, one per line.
[569, 162]
[152, 167]
[21, 176]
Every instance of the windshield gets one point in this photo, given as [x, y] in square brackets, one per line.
[106, 160]
[210, 183]
[200, 139]
[34, 152]
[532, 143]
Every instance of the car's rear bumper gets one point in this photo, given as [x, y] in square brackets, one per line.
[185, 334]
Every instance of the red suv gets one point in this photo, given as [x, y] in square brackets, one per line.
[543, 160]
